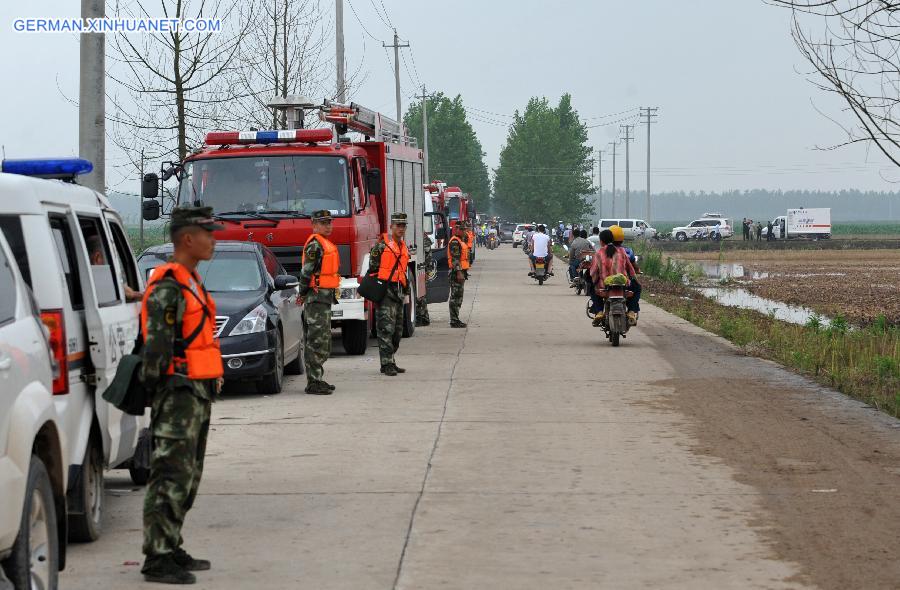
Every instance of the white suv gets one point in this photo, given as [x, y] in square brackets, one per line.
[519, 233]
[701, 228]
[32, 444]
[72, 250]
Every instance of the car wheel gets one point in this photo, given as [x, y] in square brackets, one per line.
[34, 560]
[86, 513]
[295, 367]
[273, 382]
[409, 310]
[355, 336]
[681, 236]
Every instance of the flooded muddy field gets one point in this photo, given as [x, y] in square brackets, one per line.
[860, 285]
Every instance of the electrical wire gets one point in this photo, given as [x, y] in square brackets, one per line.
[359, 20]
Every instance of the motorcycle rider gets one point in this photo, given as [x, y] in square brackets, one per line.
[540, 248]
[610, 260]
[633, 303]
[580, 245]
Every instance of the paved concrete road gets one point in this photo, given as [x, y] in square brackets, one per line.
[523, 452]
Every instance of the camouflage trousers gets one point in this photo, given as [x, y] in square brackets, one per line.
[389, 325]
[180, 426]
[422, 318]
[456, 298]
[317, 333]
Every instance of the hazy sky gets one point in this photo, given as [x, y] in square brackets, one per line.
[734, 111]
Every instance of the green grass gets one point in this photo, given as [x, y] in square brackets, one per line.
[153, 236]
[656, 264]
[863, 363]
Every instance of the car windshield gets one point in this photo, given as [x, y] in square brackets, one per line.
[296, 185]
[226, 272]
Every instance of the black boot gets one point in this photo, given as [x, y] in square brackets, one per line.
[328, 385]
[318, 388]
[458, 324]
[189, 563]
[389, 370]
[163, 569]
[398, 369]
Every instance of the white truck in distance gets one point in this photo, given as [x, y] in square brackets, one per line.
[801, 223]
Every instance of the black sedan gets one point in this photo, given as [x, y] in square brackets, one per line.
[258, 319]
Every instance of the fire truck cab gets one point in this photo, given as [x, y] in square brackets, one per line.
[264, 186]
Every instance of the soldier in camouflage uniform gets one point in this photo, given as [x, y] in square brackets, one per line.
[389, 315]
[180, 406]
[458, 274]
[317, 300]
[422, 318]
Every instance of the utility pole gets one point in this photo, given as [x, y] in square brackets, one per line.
[141, 199]
[648, 113]
[92, 98]
[628, 139]
[397, 47]
[600, 182]
[614, 144]
[425, 98]
[341, 90]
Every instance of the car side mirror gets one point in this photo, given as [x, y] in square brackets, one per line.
[373, 182]
[283, 282]
[150, 186]
[150, 210]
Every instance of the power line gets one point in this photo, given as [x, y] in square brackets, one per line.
[359, 20]
[386, 23]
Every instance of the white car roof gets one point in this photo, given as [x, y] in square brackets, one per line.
[23, 194]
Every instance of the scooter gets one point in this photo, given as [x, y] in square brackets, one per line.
[540, 273]
[492, 242]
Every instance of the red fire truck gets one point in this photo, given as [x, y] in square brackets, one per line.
[264, 185]
[451, 201]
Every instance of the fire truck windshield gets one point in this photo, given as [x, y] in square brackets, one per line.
[290, 185]
[453, 207]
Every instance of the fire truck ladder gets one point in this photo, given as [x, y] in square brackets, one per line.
[371, 124]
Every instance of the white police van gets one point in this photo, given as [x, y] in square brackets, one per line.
[72, 250]
[32, 445]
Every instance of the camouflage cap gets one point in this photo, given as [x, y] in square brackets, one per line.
[199, 216]
[321, 215]
[398, 218]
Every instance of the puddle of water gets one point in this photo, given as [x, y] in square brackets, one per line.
[746, 300]
[716, 270]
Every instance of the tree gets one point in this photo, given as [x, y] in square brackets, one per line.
[170, 86]
[545, 170]
[286, 53]
[854, 55]
[454, 152]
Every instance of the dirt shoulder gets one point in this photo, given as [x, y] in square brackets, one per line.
[827, 468]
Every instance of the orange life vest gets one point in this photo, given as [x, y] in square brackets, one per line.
[328, 277]
[470, 239]
[464, 255]
[197, 353]
[389, 258]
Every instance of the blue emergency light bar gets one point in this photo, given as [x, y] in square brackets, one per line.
[62, 168]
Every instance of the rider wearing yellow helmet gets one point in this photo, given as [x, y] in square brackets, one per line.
[634, 302]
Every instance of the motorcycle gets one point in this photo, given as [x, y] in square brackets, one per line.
[615, 313]
[580, 280]
[492, 242]
[540, 273]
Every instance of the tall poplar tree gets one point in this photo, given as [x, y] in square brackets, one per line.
[545, 168]
[454, 153]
